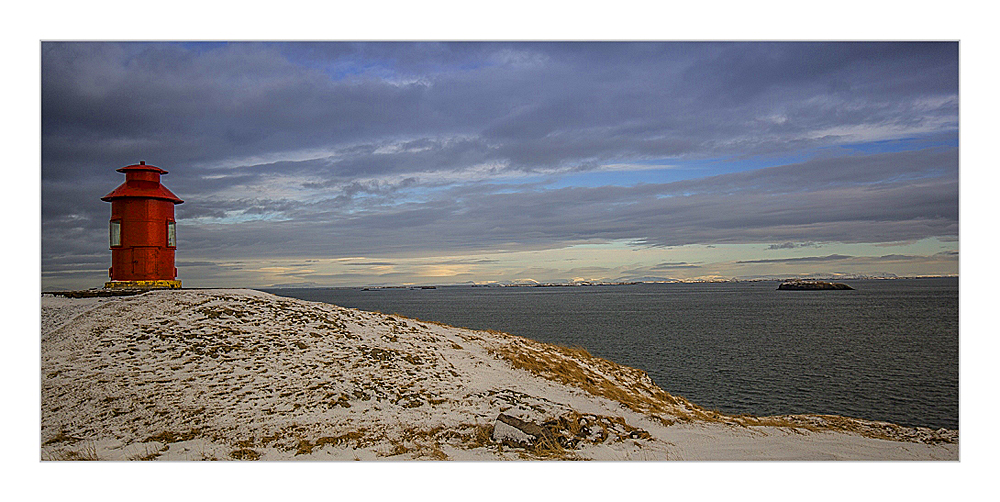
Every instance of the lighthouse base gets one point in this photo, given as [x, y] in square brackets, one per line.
[143, 285]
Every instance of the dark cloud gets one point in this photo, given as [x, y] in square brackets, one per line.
[899, 257]
[536, 104]
[474, 261]
[190, 263]
[838, 257]
[832, 257]
[738, 73]
[673, 265]
[791, 245]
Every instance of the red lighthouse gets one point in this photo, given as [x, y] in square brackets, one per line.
[143, 234]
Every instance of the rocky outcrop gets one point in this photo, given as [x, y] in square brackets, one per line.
[800, 285]
[517, 433]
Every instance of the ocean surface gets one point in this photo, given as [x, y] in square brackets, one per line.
[888, 350]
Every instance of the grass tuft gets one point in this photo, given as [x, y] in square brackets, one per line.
[62, 437]
[244, 454]
[87, 453]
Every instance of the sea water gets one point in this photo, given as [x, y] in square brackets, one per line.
[888, 350]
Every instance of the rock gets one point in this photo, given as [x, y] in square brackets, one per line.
[517, 433]
[511, 436]
[800, 285]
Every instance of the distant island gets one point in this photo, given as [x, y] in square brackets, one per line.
[807, 285]
[578, 283]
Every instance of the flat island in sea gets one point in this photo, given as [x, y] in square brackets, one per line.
[807, 285]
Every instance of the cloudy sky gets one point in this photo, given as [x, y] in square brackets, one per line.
[346, 164]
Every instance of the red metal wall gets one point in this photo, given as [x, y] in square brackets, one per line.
[143, 254]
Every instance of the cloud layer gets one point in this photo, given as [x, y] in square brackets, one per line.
[421, 149]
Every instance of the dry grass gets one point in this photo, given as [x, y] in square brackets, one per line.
[427, 443]
[62, 437]
[434, 452]
[575, 366]
[481, 436]
[244, 454]
[545, 448]
[88, 452]
[305, 446]
[866, 428]
[600, 377]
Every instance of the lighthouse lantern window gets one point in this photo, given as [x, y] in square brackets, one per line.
[171, 234]
[116, 233]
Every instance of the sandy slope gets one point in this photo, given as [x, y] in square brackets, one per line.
[240, 374]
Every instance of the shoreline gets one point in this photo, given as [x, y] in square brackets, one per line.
[239, 371]
[692, 340]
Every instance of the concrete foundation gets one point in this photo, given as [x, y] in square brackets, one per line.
[143, 285]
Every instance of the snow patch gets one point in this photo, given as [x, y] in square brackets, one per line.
[246, 375]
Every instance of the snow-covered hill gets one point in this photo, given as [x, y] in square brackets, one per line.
[241, 374]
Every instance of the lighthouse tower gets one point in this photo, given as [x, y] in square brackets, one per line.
[143, 232]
